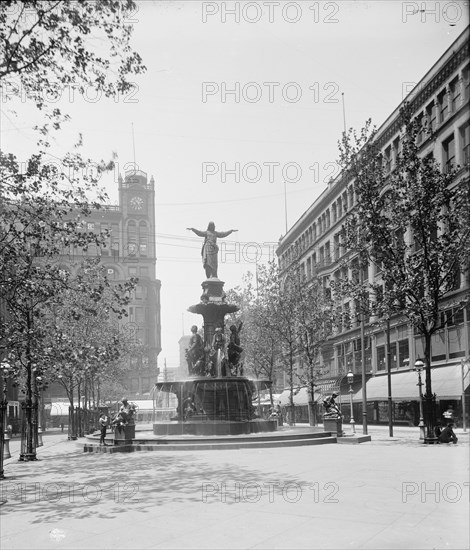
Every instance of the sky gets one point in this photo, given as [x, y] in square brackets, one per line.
[238, 117]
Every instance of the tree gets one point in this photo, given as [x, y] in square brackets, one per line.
[85, 342]
[413, 223]
[46, 47]
[278, 304]
[313, 321]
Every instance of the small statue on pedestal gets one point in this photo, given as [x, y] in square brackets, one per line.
[332, 409]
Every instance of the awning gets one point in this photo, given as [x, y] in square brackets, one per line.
[446, 383]
[328, 385]
[301, 396]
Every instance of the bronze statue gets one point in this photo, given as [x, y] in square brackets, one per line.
[234, 350]
[332, 409]
[195, 353]
[209, 248]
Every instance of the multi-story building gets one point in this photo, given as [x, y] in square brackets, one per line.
[442, 99]
[130, 252]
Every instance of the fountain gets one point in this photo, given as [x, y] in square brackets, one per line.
[215, 399]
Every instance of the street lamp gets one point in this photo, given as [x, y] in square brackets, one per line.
[4, 449]
[350, 377]
[419, 365]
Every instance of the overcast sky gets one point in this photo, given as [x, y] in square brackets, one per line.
[287, 64]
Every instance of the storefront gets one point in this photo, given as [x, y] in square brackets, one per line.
[446, 382]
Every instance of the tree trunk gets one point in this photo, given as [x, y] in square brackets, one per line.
[429, 398]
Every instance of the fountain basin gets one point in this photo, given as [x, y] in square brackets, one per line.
[212, 406]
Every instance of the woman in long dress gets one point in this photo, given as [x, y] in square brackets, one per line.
[209, 248]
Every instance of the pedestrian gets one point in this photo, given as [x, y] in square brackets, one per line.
[62, 426]
[438, 430]
[103, 427]
[448, 435]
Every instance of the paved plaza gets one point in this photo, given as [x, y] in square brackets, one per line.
[389, 493]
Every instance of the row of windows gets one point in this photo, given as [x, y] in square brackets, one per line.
[448, 101]
[331, 215]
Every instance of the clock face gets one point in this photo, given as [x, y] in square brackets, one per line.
[137, 203]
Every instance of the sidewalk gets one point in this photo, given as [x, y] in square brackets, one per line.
[389, 493]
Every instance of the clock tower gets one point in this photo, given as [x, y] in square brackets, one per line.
[138, 259]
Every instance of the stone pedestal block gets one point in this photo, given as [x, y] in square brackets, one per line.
[333, 425]
[123, 435]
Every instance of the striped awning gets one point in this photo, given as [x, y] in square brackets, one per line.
[328, 385]
[446, 383]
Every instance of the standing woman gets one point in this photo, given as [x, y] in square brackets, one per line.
[209, 248]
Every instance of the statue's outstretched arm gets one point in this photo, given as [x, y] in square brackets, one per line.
[198, 233]
[222, 234]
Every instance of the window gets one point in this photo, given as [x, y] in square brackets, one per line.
[466, 83]
[431, 114]
[347, 316]
[333, 212]
[340, 209]
[420, 132]
[90, 226]
[327, 253]
[133, 271]
[144, 271]
[309, 268]
[455, 95]
[443, 106]
[345, 201]
[140, 315]
[448, 148]
[336, 247]
[465, 143]
[396, 151]
[403, 351]
[388, 159]
[380, 357]
[351, 196]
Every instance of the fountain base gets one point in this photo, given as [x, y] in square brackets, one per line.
[214, 427]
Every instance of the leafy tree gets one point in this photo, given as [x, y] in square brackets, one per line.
[46, 47]
[85, 340]
[413, 223]
[278, 304]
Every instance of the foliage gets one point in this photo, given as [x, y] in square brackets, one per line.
[46, 47]
[85, 342]
[412, 222]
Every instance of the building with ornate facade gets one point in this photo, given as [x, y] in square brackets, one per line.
[129, 252]
[442, 99]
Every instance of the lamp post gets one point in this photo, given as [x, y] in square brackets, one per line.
[418, 367]
[464, 364]
[350, 377]
[4, 367]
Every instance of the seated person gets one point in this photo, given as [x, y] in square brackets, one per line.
[448, 435]
[331, 407]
